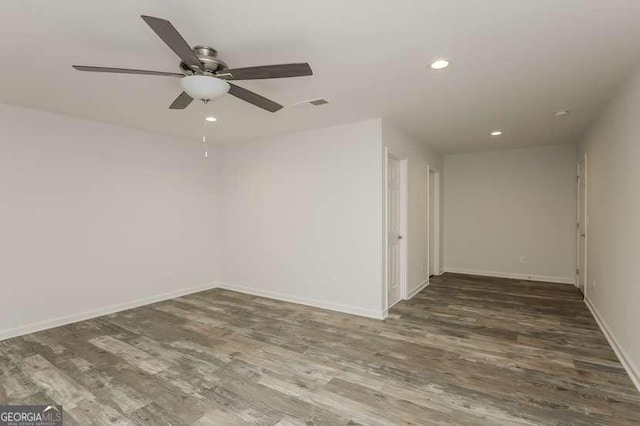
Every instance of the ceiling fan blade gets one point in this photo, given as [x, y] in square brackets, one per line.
[182, 101]
[172, 38]
[266, 71]
[125, 71]
[254, 98]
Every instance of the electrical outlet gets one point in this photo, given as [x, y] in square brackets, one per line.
[522, 259]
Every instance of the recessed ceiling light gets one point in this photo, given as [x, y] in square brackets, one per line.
[211, 119]
[561, 113]
[496, 133]
[439, 64]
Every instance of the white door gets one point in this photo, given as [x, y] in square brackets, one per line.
[430, 200]
[582, 228]
[394, 181]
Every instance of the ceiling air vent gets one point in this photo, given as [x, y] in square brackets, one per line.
[318, 102]
[311, 102]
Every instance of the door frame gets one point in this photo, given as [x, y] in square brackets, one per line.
[404, 243]
[435, 199]
[585, 218]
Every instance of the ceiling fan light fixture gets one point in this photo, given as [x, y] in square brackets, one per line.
[204, 87]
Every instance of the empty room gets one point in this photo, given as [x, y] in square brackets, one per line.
[288, 213]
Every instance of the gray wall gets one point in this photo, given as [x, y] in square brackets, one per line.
[613, 198]
[300, 217]
[501, 205]
[94, 216]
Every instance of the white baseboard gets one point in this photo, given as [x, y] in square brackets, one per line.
[106, 310]
[526, 277]
[348, 309]
[418, 289]
[94, 313]
[632, 370]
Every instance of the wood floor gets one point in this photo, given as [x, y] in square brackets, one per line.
[465, 351]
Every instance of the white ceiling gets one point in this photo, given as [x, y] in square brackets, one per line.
[513, 63]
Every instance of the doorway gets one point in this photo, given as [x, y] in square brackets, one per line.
[396, 224]
[433, 221]
[581, 228]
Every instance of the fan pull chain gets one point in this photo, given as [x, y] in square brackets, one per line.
[204, 140]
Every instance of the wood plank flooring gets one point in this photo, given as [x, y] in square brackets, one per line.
[465, 351]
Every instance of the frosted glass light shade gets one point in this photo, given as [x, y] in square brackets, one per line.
[204, 86]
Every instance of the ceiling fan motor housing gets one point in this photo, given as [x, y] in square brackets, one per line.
[208, 56]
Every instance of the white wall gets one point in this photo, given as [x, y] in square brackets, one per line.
[93, 216]
[613, 198]
[419, 157]
[301, 217]
[501, 205]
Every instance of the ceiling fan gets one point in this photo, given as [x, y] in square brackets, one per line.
[205, 76]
